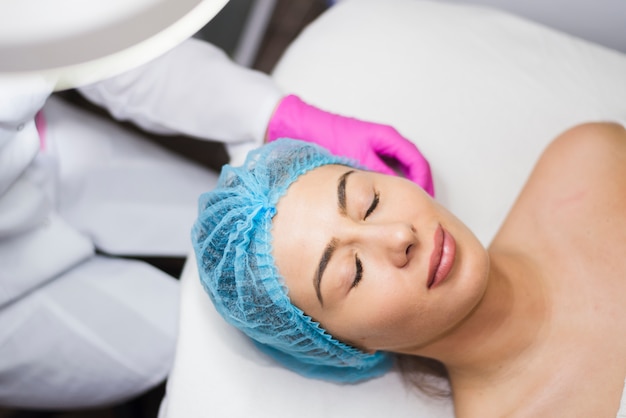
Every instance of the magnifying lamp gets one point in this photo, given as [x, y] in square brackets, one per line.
[76, 42]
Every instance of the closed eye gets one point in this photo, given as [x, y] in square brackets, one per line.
[359, 272]
[373, 205]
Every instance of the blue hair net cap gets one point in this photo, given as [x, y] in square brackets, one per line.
[232, 242]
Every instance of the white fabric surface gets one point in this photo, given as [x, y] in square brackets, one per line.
[127, 194]
[622, 405]
[196, 90]
[480, 92]
[79, 330]
[100, 333]
[76, 330]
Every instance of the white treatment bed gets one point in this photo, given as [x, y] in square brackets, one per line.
[480, 92]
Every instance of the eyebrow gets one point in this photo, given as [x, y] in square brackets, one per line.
[341, 192]
[332, 245]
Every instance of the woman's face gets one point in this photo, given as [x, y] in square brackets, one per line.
[376, 261]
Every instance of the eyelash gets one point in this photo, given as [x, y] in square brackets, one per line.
[359, 272]
[373, 205]
[359, 265]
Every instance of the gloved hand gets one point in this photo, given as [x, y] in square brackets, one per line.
[366, 142]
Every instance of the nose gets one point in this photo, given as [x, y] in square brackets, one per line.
[392, 241]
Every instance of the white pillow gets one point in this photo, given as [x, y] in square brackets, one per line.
[480, 92]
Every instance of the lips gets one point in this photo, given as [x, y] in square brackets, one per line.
[442, 258]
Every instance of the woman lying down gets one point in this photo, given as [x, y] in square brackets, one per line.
[335, 271]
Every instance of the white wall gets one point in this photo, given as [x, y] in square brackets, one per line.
[600, 21]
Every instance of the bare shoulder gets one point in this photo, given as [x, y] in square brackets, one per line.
[586, 149]
[570, 221]
[586, 160]
[580, 175]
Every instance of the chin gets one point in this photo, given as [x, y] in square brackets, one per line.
[471, 271]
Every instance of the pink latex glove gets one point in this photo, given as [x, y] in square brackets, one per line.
[366, 142]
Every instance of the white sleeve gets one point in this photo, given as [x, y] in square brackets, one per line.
[20, 100]
[195, 90]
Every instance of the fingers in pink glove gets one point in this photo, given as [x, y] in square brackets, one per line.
[405, 155]
[368, 143]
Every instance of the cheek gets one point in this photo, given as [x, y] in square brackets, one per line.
[382, 314]
[392, 305]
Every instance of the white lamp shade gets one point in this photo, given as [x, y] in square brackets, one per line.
[76, 42]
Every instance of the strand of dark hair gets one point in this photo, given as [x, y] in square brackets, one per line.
[425, 374]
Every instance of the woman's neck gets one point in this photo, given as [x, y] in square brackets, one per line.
[504, 328]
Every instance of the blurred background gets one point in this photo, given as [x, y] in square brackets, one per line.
[256, 32]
